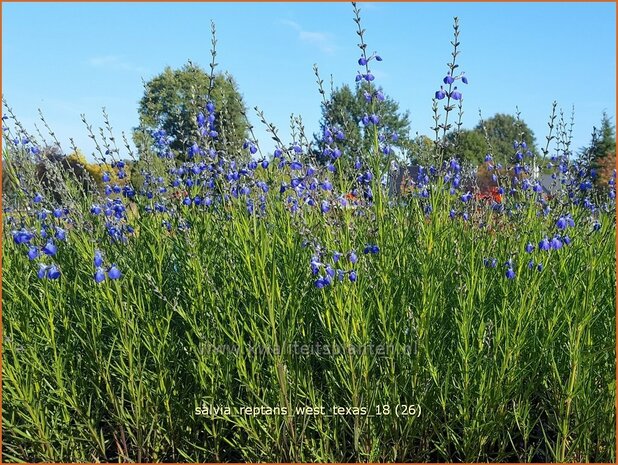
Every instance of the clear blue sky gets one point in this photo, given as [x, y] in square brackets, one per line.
[72, 58]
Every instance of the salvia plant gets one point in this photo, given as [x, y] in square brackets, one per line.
[144, 310]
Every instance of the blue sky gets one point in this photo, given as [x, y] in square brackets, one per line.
[73, 58]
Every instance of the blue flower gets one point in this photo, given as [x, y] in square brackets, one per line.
[329, 271]
[440, 94]
[539, 267]
[98, 259]
[50, 249]
[194, 150]
[371, 249]
[22, 237]
[455, 94]
[529, 247]
[42, 273]
[114, 273]
[561, 223]
[352, 257]
[510, 274]
[201, 119]
[352, 276]
[544, 244]
[61, 234]
[53, 272]
[596, 226]
[315, 265]
[37, 198]
[33, 253]
[448, 79]
[555, 243]
[325, 206]
[99, 275]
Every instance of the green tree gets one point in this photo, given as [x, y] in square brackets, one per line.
[500, 132]
[346, 108]
[421, 151]
[602, 145]
[173, 99]
[469, 146]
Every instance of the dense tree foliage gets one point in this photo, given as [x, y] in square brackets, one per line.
[600, 154]
[346, 108]
[496, 135]
[173, 99]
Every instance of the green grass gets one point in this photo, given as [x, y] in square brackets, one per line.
[503, 370]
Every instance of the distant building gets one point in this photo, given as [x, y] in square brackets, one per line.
[406, 179]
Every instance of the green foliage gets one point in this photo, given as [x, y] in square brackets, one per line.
[494, 135]
[502, 130]
[601, 151]
[503, 370]
[606, 138]
[346, 107]
[173, 99]
[10, 182]
[469, 145]
[421, 151]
